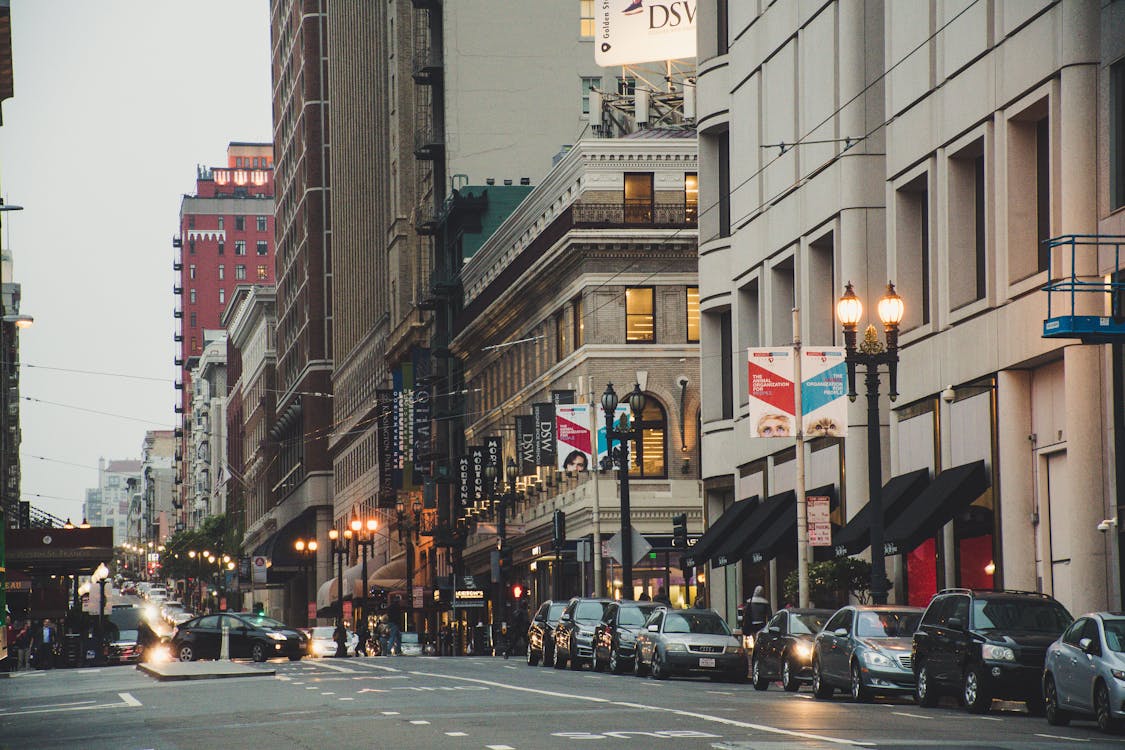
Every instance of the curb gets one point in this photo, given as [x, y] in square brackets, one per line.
[162, 677]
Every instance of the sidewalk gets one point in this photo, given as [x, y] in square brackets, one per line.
[202, 670]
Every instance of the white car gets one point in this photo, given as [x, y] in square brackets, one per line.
[321, 642]
[411, 645]
[169, 608]
[156, 591]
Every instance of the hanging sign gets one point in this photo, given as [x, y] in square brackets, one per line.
[824, 404]
[525, 444]
[639, 31]
[819, 520]
[544, 416]
[772, 400]
[574, 443]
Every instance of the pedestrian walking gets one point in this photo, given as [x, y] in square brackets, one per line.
[23, 646]
[48, 635]
[756, 613]
[394, 637]
[362, 634]
[662, 597]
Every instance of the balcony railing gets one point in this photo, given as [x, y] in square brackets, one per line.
[635, 215]
[428, 143]
[427, 65]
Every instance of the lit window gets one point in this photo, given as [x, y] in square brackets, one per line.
[222, 272]
[261, 223]
[648, 455]
[191, 271]
[262, 273]
[240, 272]
[586, 24]
[640, 315]
[222, 296]
[693, 313]
[638, 198]
[263, 247]
[579, 323]
[691, 197]
[588, 85]
[240, 247]
[191, 293]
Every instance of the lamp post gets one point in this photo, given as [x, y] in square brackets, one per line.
[100, 576]
[871, 354]
[408, 527]
[340, 551]
[306, 553]
[364, 543]
[636, 407]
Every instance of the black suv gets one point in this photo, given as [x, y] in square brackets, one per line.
[984, 645]
[574, 635]
[541, 633]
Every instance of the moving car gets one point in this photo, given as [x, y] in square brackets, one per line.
[251, 636]
[615, 637]
[168, 608]
[689, 641]
[411, 645]
[1084, 675]
[866, 651]
[322, 641]
[541, 633]
[985, 645]
[574, 633]
[783, 648]
[122, 626]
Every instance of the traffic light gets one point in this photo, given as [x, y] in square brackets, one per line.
[679, 531]
[559, 537]
[518, 591]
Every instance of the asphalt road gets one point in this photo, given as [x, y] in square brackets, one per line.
[479, 703]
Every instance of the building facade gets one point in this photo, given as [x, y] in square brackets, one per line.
[940, 147]
[151, 508]
[117, 480]
[207, 447]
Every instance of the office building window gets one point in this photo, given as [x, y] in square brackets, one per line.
[579, 323]
[691, 197]
[240, 247]
[222, 296]
[221, 222]
[194, 343]
[722, 14]
[239, 223]
[626, 85]
[726, 363]
[648, 453]
[240, 272]
[222, 247]
[262, 273]
[912, 245]
[191, 319]
[586, 24]
[191, 295]
[1117, 135]
[640, 315]
[191, 222]
[263, 247]
[191, 271]
[261, 223]
[222, 272]
[693, 314]
[588, 85]
[967, 225]
[724, 183]
[191, 247]
[560, 336]
[638, 197]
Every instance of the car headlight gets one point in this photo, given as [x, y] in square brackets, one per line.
[736, 650]
[1118, 673]
[276, 636]
[992, 652]
[675, 647]
[802, 650]
[748, 640]
[876, 659]
[627, 639]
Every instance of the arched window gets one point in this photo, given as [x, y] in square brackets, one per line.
[648, 455]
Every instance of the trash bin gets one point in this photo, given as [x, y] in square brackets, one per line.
[71, 649]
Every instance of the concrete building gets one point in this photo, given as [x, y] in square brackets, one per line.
[938, 146]
[150, 517]
[207, 446]
[117, 480]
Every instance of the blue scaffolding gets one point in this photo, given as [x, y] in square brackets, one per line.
[1062, 294]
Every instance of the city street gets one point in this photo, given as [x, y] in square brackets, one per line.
[469, 702]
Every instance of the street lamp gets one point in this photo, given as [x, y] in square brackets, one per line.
[101, 574]
[408, 527]
[306, 553]
[871, 353]
[340, 550]
[636, 407]
[364, 542]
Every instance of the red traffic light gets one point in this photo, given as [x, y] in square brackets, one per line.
[517, 591]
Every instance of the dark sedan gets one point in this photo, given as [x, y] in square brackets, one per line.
[574, 635]
[783, 648]
[541, 633]
[615, 637]
[251, 636]
[689, 641]
[865, 651]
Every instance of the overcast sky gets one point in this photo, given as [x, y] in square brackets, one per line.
[115, 104]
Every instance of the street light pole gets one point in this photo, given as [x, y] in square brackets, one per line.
[636, 407]
[408, 528]
[364, 542]
[307, 555]
[871, 354]
[340, 550]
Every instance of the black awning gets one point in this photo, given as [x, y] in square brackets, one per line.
[951, 492]
[717, 532]
[734, 547]
[898, 493]
[781, 534]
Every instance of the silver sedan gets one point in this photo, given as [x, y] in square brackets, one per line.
[1084, 675]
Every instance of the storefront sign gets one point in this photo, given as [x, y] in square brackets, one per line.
[476, 472]
[470, 598]
[419, 597]
[260, 565]
[820, 521]
[464, 482]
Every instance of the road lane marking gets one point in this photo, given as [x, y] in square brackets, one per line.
[911, 716]
[457, 734]
[390, 713]
[1060, 737]
[720, 692]
[806, 697]
[347, 699]
[500, 747]
[419, 721]
[123, 704]
[53, 705]
[337, 668]
[664, 709]
[327, 693]
[374, 666]
[129, 699]
[988, 718]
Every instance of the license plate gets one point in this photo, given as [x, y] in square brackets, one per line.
[705, 662]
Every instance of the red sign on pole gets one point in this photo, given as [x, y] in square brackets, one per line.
[312, 610]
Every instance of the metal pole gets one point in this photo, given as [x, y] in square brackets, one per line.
[409, 581]
[366, 590]
[99, 654]
[599, 576]
[626, 522]
[341, 637]
[875, 485]
[502, 534]
[802, 516]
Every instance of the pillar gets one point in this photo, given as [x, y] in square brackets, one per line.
[1016, 490]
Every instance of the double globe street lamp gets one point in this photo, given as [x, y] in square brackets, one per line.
[340, 551]
[364, 542]
[409, 525]
[306, 554]
[636, 407]
[871, 354]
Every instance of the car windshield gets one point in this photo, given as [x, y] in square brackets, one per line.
[887, 624]
[263, 622]
[555, 612]
[127, 635]
[1115, 633]
[1034, 615]
[703, 623]
[589, 611]
[634, 616]
[126, 619]
[805, 624]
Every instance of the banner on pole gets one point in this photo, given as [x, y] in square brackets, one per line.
[824, 374]
[544, 416]
[574, 439]
[525, 444]
[772, 401]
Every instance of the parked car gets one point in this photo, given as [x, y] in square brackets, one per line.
[985, 645]
[574, 633]
[689, 641]
[251, 636]
[156, 591]
[541, 633]
[322, 641]
[783, 648]
[122, 627]
[411, 645]
[615, 637]
[1084, 674]
[866, 651]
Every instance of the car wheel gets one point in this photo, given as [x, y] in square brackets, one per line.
[548, 657]
[1102, 709]
[575, 663]
[789, 679]
[974, 692]
[1056, 717]
[597, 664]
[758, 676]
[560, 659]
[187, 653]
[860, 693]
[532, 657]
[295, 657]
[258, 651]
[639, 668]
[925, 692]
[820, 688]
[659, 669]
[614, 661]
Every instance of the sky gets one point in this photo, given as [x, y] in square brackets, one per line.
[115, 104]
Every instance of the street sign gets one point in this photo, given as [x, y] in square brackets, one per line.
[260, 565]
[820, 521]
[419, 597]
[641, 546]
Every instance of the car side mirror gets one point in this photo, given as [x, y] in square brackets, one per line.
[955, 623]
[840, 632]
[1087, 645]
[654, 628]
[774, 629]
[564, 617]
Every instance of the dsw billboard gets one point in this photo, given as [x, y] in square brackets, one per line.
[639, 31]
